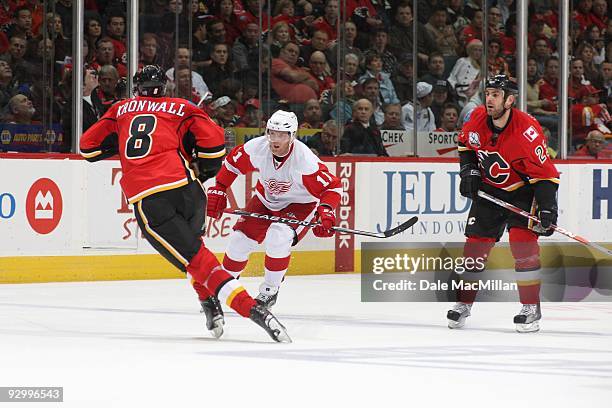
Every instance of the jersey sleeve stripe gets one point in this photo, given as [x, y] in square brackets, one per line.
[212, 155]
[212, 149]
[552, 179]
[462, 148]
[90, 154]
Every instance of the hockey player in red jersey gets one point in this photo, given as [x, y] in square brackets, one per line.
[503, 152]
[155, 137]
[292, 182]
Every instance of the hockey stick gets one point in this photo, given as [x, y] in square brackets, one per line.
[291, 221]
[533, 218]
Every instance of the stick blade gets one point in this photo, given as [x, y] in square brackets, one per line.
[401, 228]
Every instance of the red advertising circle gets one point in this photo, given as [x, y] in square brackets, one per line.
[44, 206]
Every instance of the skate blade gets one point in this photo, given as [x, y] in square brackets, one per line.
[217, 330]
[529, 327]
[278, 332]
[456, 325]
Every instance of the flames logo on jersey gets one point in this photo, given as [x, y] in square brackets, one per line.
[495, 167]
[276, 187]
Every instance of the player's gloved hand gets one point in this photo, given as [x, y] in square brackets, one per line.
[547, 219]
[470, 180]
[327, 218]
[217, 201]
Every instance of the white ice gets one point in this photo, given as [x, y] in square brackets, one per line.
[143, 344]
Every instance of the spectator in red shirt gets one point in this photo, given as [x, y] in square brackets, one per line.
[319, 69]
[582, 13]
[576, 80]
[599, 13]
[329, 21]
[115, 29]
[252, 117]
[595, 142]
[105, 55]
[290, 82]
[474, 29]
[225, 13]
[588, 114]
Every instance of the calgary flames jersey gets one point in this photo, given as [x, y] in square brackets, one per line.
[300, 178]
[154, 138]
[516, 156]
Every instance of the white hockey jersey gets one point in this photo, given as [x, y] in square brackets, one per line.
[300, 178]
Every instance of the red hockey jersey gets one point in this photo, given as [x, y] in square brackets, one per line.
[154, 138]
[518, 156]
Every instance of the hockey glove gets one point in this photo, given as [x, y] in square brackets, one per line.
[327, 218]
[547, 219]
[217, 201]
[470, 180]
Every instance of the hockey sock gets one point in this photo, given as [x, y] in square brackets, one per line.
[232, 267]
[275, 270]
[237, 253]
[229, 291]
[200, 289]
[206, 270]
[526, 253]
[475, 247]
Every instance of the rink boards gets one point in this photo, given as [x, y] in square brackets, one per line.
[64, 219]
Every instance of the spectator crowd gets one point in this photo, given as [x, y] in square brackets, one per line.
[350, 78]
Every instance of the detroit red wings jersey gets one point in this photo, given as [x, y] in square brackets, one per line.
[518, 156]
[300, 178]
[154, 138]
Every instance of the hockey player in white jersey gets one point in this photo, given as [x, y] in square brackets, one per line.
[292, 183]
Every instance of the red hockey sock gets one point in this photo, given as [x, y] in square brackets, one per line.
[206, 270]
[475, 247]
[275, 269]
[235, 268]
[200, 289]
[526, 253]
[229, 291]
[529, 292]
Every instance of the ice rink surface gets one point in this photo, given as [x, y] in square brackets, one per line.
[143, 344]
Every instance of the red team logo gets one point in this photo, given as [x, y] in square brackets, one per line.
[276, 187]
[495, 167]
[44, 206]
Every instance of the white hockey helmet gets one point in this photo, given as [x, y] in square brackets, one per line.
[283, 121]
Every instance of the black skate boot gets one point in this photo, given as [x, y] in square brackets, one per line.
[457, 315]
[262, 317]
[528, 319]
[267, 295]
[214, 315]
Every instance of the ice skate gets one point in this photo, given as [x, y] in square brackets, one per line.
[214, 316]
[267, 295]
[457, 315]
[265, 319]
[528, 319]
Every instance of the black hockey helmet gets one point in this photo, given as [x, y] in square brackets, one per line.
[504, 83]
[151, 81]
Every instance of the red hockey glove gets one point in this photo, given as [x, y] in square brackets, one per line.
[217, 201]
[327, 218]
